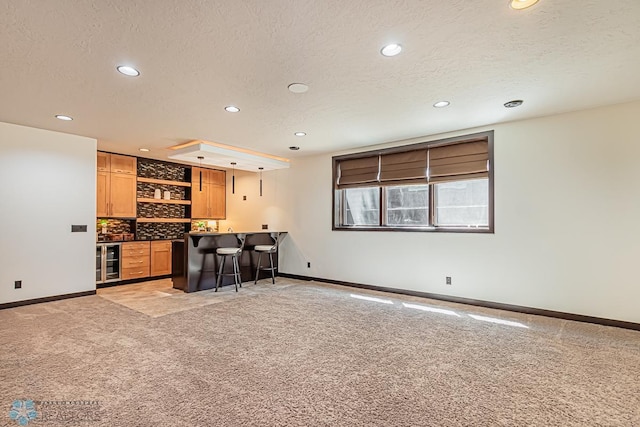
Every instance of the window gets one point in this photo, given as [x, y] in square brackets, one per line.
[462, 203]
[407, 205]
[361, 206]
[436, 186]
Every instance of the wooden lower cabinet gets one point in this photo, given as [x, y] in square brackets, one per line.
[160, 257]
[135, 260]
[146, 259]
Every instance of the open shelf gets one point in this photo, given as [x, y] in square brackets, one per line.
[183, 220]
[164, 182]
[164, 201]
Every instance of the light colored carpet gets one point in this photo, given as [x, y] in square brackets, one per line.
[309, 354]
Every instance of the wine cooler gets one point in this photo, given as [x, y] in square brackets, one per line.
[108, 262]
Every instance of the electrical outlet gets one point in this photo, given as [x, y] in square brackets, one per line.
[448, 280]
[18, 284]
[265, 226]
[244, 197]
[308, 265]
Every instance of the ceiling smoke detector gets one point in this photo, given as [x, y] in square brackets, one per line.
[514, 103]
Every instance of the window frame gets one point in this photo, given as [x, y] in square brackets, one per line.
[338, 198]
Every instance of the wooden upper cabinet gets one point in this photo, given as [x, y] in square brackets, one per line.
[200, 200]
[217, 177]
[123, 195]
[104, 164]
[116, 186]
[123, 164]
[103, 189]
[210, 202]
[218, 202]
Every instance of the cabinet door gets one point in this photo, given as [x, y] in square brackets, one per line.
[103, 163]
[160, 258]
[218, 202]
[200, 200]
[102, 193]
[195, 176]
[123, 195]
[217, 177]
[123, 164]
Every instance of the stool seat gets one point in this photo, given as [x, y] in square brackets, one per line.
[265, 248]
[228, 251]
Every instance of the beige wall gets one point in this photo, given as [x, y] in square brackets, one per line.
[567, 222]
[256, 210]
[48, 183]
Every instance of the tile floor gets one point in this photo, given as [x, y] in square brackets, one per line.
[157, 298]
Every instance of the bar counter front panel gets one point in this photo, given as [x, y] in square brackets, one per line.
[199, 269]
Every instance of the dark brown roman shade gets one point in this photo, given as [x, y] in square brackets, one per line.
[467, 160]
[407, 167]
[358, 172]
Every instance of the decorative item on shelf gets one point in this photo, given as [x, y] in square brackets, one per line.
[260, 168]
[233, 178]
[103, 225]
[202, 226]
[157, 194]
[167, 195]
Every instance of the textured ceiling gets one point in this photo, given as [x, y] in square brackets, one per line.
[59, 57]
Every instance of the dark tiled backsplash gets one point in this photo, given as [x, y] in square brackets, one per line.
[158, 210]
[155, 231]
[159, 170]
[115, 226]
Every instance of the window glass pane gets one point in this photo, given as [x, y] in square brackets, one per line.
[462, 203]
[408, 205]
[362, 206]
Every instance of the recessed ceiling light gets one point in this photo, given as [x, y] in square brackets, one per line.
[300, 134]
[294, 148]
[441, 104]
[298, 87]
[514, 103]
[144, 149]
[521, 4]
[391, 49]
[128, 71]
[232, 109]
[62, 117]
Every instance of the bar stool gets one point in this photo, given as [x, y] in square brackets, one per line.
[234, 253]
[267, 249]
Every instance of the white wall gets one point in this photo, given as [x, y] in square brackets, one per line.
[48, 182]
[567, 223]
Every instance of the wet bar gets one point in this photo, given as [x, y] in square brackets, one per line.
[197, 268]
